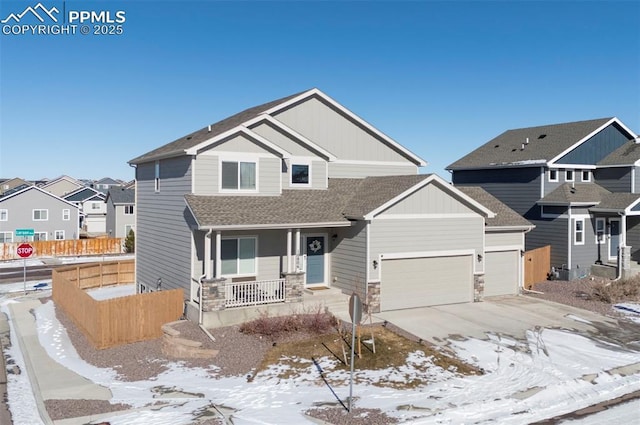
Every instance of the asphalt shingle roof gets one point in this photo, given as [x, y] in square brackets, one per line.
[178, 146]
[504, 216]
[569, 193]
[122, 196]
[545, 143]
[84, 195]
[616, 201]
[626, 154]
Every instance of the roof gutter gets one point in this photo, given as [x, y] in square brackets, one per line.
[274, 226]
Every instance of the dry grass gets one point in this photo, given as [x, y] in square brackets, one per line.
[617, 291]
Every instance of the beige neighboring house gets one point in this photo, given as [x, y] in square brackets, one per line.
[121, 212]
[62, 186]
[11, 184]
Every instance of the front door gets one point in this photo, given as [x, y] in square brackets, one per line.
[614, 238]
[316, 261]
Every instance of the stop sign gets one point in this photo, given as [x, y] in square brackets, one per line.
[25, 250]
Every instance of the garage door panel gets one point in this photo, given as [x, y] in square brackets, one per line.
[419, 282]
[501, 273]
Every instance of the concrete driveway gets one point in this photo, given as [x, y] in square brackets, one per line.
[508, 316]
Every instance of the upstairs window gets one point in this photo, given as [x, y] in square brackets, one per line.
[40, 215]
[568, 175]
[156, 180]
[578, 233]
[4, 215]
[66, 214]
[128, 209]
[586, 175]
[95, 205]
[300, 174]
[237, 175]
[553, 175]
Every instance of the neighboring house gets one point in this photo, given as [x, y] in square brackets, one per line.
[104, 184]
[93, 210]
[62, 185]
[577, 182]
[121, 211]
[303, 188]
[51, 217]
[11, 184]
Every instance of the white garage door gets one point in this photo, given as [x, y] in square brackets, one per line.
[501, 273]
[420, 282]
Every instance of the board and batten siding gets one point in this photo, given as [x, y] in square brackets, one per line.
[335, 132]
[207, 175]
[597, 147]
[353, 170]
[395, 236]
[349, 258]
[518, 188]
[616, 179]
[504, 238]
[163, 235]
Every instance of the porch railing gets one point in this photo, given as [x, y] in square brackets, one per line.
[240, 294]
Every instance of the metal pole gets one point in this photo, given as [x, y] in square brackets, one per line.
[353, 343]
[24, 275]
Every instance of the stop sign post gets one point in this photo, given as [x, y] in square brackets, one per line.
[25, 251]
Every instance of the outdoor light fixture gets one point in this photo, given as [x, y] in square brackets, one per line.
[375, 264]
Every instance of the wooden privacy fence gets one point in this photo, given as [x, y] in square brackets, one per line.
[64, 248]
[115, 321]
[537, 265]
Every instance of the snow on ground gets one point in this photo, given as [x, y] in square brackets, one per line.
[114, 291]
[631, 310]
[39, 261]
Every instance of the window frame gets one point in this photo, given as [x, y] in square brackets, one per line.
[95, 205]
[238, 257]
[588, 174]
[577, 232]
[4, 212]
[127, 207]
[56, 233]
[601, 239]
[300, 163]
[4, 237]
[39, 234]
[33, 214]
[550, 178]
[66, 214]
[156, 180]
[567, 173]
[239, 169]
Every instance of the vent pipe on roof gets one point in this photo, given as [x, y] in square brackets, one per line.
[209, 128]
[637, 140]
[527, 142]
[522, 147]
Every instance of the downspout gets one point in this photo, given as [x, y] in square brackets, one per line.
[206, 269]
[623, 231]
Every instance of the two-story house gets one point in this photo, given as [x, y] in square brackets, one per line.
[121, 211]
[61, 186]
[577, 182]
[51, 217]
[302, 192]
[93, 210]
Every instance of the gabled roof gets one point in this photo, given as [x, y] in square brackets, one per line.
[108, 180]
[575, 194]
[616, 202]
[12, 183]
[63, 177]
[84, 194]
[28, 188]
[14, 189]
[544, 144]
[121, 196]
[504, 216]
[191, 143]
[627, 154]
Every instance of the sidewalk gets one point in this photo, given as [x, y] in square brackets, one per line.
[49, 379]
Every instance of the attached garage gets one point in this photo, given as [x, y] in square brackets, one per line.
[502, 273]
[425, 281]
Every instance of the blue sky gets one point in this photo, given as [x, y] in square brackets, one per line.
[441, 78]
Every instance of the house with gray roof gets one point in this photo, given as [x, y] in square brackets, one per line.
[300, 194]
[93, 210]
[121, 211]
[577, 182]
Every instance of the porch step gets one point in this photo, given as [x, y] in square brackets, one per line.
[330, 299]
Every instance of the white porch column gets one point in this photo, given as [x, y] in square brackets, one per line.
[623, 230]
[297, 250]
[207, 255]
[288, 250]
[218, 254]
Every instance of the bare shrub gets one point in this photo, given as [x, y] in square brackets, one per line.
[316, 322]
[618, 291]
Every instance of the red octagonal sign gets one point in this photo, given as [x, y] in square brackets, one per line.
[25, 250]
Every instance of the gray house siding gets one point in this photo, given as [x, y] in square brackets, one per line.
[163, 235]
[275, 135]
[20, 215]
[424, 234]
[207, 175]
[503, 238]
[110, 221]
[358, 170]
[429, 200]
[614, 179]
[583, 256]
[550, 231]
[348, 258]
[633, 237]
[636, 179]
[518, 188]
[596, 148]
[343, 137]
[317, 169]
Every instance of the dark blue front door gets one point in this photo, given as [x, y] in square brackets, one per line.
[614, 241]
[315, 248]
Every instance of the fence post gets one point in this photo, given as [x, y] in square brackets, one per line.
[78, 276]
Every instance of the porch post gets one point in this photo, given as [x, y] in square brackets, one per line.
[218, 254]
[207, 255]
[297, 249]
[623, 230]
[288, 250]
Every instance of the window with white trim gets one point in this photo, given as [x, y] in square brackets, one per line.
[40, 236]
[6, 237]
[553, 175]
[128, 209]
[578, 231]
[59, 235]
[238, 175]
[4, 215]
[40, 215]
[96, 205]
[600, 229]
[127, 229]
[300, 174]
[586, 175]
[568, 175]
[157, 177]
[238, 256]
[66, 214]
